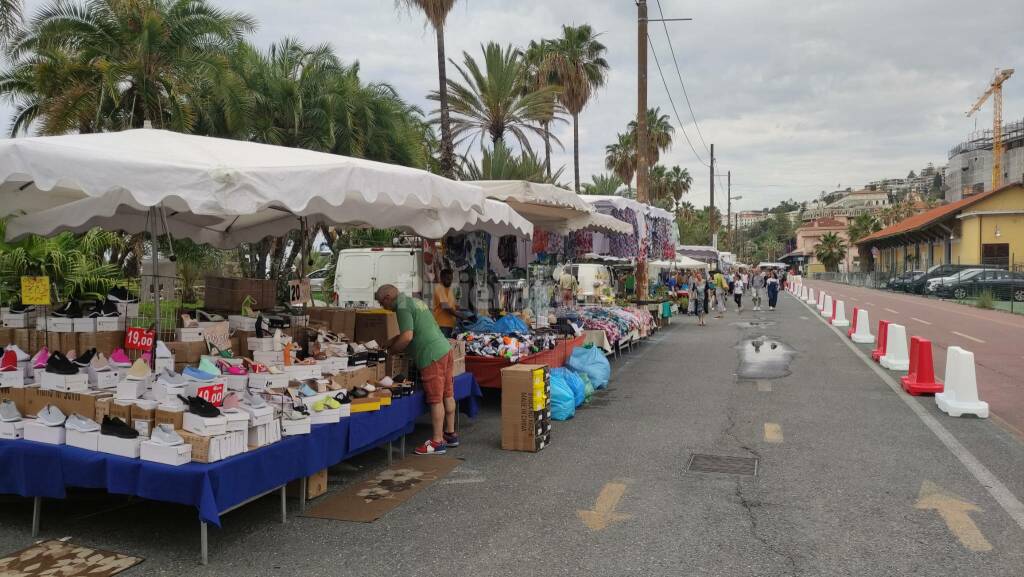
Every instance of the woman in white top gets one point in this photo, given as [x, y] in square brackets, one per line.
[737, 292]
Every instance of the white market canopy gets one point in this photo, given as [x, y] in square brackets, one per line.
[551, 207]
[683, 261]
[620, 202]
[221, 192]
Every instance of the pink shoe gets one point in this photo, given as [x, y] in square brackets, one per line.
[231, 401]
[120, 358]
[39, 361]
[228, 368]
[146, 357]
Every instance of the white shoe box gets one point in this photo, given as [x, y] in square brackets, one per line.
[78, 383]
[129, 390]
[128, 309]
[164, 392]
[174, 455]
[40, 433]
[161, 363]
[19, 321]
[237, 420]
[261, 381]
[345, 410]
[14, 379]
[240, 323]
[84, 325]
[303, 372]
[260, 416]
[235, 382]
[257, 345]
[333, 364]
[205, 426]
[60, 325]
[11, 431]
[297, 427]
[40, 323]
[104, 379]
[129, 448]
[108, 324]
[87, 441]
[266, 434]
[268, 357]
[325, 417]
[191, 335]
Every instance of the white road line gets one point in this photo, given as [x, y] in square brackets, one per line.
[870, 304]
[854, 299]
[1006, 499]
[920, 321]
[893, 312]
[968, 337]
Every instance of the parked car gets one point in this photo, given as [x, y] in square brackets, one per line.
[901, 282]
[316, 279]
[919, 285]
[958, 276]
[1002, 284]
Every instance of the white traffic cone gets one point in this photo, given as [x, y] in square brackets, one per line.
[821, 300]
[839, 320]
[896, 358]
[826, 306]
[863, 333]
[961, 386]
[810, 297]
[803, 293]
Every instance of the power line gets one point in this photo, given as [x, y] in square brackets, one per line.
[673, 103]
[680, 75]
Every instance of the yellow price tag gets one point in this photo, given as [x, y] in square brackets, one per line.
[35, 290]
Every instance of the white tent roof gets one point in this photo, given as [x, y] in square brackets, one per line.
[219, 191]
[622, 203]
[499, 219]
[551, 207]
[687, 262]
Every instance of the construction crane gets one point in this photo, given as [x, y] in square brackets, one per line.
[995, 90]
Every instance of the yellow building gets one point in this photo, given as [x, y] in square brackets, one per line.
[984, 229]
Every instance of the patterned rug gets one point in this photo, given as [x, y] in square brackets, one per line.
[60, 558]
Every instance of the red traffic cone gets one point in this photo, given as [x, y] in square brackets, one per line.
[921, 378]
[883, 330]
[853, 324]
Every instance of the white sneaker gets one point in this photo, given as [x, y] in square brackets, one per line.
[81, 424]
[22, 355]
[164, 434]
[51, 416]
[254, 401]
[162, 352]
[9, 412]
[169, 377]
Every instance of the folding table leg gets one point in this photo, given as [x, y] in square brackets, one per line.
[401, 447]
[302, 495]
[203, 546]
[37, 512]
[284, 505]
[389, 450]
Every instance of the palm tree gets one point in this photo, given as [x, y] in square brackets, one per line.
[861, 226]
[659, 134]
[831, 250]
[669, 185]
[577, 59]
[606, 184]
[501, 164]
[193, 261]
[494, 101]
[620, 158]
[771, 248]
[119, 64]
[539, 77]
[436, 12]
[10, 18]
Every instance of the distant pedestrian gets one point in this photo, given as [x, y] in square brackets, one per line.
[721, 290]
[698, 294]
[757, 287]
[773, 285]
[737, 292]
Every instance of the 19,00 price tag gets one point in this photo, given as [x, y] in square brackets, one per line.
[213, 394]
[138, 339]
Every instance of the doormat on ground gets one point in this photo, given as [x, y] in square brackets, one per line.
[65, 559]
[369, 500]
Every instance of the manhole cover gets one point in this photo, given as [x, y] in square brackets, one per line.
[721, 464]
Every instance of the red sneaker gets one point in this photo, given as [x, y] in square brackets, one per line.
[431, 448]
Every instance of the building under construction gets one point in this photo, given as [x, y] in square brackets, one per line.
[970, 163]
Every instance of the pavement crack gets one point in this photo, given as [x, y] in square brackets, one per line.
[730, 432]
[750, 507]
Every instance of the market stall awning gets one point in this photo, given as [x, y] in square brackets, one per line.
[597, 222]
[698, 252]
[550, 207]
[683, 261]
[499, 219]
[222, 192]
[620, 202]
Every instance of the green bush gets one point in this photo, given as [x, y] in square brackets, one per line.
[985, 300]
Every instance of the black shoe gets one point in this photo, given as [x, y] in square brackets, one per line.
[279, 323]
[115, 427]
[108, 309]
[200, 406]
[342, 398]
[69, 310]
[20, 309]
[85, 359]
[261, 330]
[120, 295]
[358, 393]
[58, 364]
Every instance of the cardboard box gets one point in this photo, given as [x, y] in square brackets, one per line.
[61, 341]
[302, 372]
[352, 377]
[82, 403]
[518, 431]
[6, 336]
[104, 342]
[129, 390]
[240, 323]
[40, 433]
[380, 326]
[165, 416]
[205, 426]
[104, 379]
[87, 441]
[78, 383]
[337, 320]
[189, 335]
[382, 395]
[122, 410]
[201, 447]
[60, 325]
[254, 345]
[333, 364]
[265, 434]
[12, 431]
[396, 364]
[187, 352]
[102, 409]
[143, 420]
[269, 358]
[110, 325]
[174, 455]
[291, 428]
[316, 484]
[365, 405]
[129, 448]
[261, 381]
[21, 338]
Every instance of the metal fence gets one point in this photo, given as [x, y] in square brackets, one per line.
[997, 284]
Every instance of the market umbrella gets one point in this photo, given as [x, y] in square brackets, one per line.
[551, 207]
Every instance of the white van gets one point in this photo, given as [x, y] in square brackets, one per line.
[362, 270]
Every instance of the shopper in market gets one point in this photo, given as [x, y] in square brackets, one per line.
[419, 332]
[698, 295]
[773, 290]
[569, 287]
[737, 291]
[721, 290]
[445, 307]
[757, 287]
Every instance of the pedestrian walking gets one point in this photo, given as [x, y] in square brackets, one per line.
[698, 294]
[773, 285]
[737, 292]
[721, 290]
[757, 286]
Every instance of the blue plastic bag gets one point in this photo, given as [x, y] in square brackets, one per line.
[483, 324]
[563, 401]
[575, 384]
[591, 360]
[511, 324]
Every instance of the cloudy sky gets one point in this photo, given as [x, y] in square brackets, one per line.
[798, 96]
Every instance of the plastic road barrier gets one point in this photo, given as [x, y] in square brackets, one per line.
[921, 378]
[839, 315]
[896, 356]
[883, 333]
[961, 394]
[863, 334]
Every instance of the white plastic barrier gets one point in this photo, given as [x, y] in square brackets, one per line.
[810, 297]
[803, 293]
[821, 300]
[863, 333]
[961, 386]
[896, 358]
[839, 320]
[826, 306]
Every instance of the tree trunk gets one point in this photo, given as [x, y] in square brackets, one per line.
[547, 148]
[447, 146]
[576, 148]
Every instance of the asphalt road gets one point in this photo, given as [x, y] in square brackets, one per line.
[851, 481]
[996, 339]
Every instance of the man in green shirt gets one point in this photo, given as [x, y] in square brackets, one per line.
[432, 354]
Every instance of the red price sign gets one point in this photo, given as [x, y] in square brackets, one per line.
[137, 339]
[213, 394]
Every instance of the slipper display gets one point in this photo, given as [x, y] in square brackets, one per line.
[9, 362]
[9, 412]
[342, 398]
[115, 427]
[51, 416]
[68, 310]
[207, 366]
[200, 406]
[169, 377]
[198, 375]
[254, 401]
[100, 363]
[231, 401]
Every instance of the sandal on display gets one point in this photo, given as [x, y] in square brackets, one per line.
[253, 366]
[209, 317]
[247, 304]
[188, 322]
[261, 327]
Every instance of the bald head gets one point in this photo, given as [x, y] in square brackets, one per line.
[387, 296]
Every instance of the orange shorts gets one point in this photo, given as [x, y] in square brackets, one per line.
[438, 380]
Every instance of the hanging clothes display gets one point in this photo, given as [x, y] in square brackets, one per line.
[508, 251]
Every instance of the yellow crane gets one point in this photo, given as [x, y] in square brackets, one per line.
[995, 90]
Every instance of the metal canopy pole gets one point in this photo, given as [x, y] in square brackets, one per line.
[154, 213]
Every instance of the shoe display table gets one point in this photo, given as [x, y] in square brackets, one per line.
[487, 370]
[39, 470]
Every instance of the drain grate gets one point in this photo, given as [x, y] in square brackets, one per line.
[700, 463]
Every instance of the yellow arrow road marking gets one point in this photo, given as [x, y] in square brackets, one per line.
[955, 512]
[603, 513]
[772, 433]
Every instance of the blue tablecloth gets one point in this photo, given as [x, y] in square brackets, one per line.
[38, 470]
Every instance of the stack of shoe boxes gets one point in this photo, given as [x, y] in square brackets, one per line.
[525, 408]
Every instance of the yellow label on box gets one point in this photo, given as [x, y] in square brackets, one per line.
[35, 290]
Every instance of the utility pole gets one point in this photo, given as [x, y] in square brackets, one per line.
[641, 106]
[711, 214]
